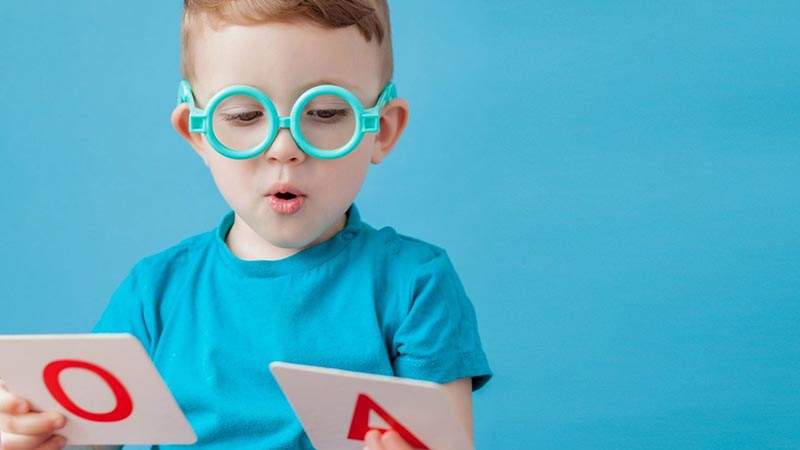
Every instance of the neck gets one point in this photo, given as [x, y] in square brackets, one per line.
[248, 245]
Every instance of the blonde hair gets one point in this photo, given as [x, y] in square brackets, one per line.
[371, 17]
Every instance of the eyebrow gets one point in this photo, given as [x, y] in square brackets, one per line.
[201, 103]
[352, 88]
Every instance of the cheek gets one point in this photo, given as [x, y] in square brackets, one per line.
[355, 165]
[233, 178]
[341, 179]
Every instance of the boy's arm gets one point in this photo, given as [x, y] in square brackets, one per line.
[461, 393]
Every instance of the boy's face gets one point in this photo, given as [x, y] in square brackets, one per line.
[283, 60]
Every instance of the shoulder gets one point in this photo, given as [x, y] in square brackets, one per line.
[400, 250]
[183, 256]
[399, 258]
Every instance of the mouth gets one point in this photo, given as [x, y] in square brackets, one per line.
[285, 195]
[285, 200]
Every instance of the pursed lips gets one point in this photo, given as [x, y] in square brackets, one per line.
[284, 199]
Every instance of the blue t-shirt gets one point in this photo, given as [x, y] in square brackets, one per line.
[366, 300]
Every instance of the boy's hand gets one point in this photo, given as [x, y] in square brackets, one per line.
[23, 429]
[389, 440]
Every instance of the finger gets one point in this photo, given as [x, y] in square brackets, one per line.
[33, 441]
[373, 440]
[55, 442]
[11, 404]
[392, 440]
[32, 423]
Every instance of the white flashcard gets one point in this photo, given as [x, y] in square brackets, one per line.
[338, 407]
[105, 385]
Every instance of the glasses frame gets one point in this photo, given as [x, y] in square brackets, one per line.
[366, 120]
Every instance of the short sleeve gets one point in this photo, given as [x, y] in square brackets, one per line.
[438, 340]
[125, 313]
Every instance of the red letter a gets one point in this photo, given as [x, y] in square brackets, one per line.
[360, 424]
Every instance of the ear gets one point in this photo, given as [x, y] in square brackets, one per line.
[394, 118]
[180, 121]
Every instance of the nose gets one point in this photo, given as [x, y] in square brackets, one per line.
[284, 149]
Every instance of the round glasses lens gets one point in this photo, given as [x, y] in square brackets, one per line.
[327, 122]
[240, 122]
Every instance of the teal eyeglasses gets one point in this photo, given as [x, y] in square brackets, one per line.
[326, 121]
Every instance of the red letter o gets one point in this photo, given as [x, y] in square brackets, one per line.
[124, 406]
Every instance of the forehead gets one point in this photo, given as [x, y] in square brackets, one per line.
[283, 59]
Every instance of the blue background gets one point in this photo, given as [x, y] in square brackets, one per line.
[616, 182]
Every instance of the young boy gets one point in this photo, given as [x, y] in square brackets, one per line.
[292, 273]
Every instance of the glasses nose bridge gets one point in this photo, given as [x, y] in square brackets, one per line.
[284, 122]
[286, 148]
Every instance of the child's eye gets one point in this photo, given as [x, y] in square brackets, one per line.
[243, 117]
[238, 111]
[327, 114]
